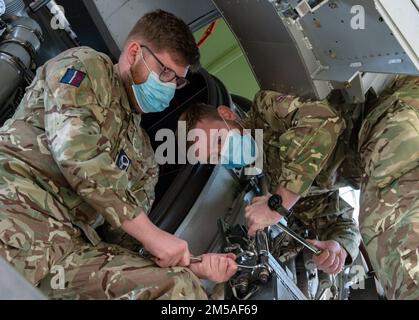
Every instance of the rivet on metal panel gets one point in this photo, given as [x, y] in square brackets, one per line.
[317, 24]
[332, 54]
[333, 5]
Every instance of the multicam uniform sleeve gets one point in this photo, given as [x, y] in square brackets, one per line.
[75, 117]
[332, 219]
[342, 229]
[309, 134]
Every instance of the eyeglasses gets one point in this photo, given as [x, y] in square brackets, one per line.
[167, 74]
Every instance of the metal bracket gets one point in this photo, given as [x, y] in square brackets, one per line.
[38, 5]
[20, 67]
[37, 33]
[25, 44]
[303, 8]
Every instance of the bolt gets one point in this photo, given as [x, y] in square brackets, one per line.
[243, 285]
[333, 5]
[264, 276]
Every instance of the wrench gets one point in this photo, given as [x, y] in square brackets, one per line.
[291, 233]
[298, 238]
[146, 255]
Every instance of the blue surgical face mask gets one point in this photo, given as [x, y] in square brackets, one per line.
[239, 151]
[153, 95]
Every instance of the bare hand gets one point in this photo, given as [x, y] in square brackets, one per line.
[332, 260]
[168, 250]
[259, 215]
[218, 268]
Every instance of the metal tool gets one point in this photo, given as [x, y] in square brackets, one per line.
[262, 247]
[146, 255]
[245, 268]
[291, 233]
[298, 238]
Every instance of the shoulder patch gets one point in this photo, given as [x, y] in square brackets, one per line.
[281, 99]
[123, 162]
[73, 77]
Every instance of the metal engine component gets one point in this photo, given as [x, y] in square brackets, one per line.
[14, 8]
[57, 11]
[298, 238]
[19, 45]
[325, 283]
[262, 247]
[2, 7]
[276, 264]
[252, 258]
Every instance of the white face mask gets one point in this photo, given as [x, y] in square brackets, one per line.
[238, 151]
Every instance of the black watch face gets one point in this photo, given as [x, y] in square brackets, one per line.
[275, 202]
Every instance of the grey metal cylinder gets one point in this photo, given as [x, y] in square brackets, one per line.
[18, 50]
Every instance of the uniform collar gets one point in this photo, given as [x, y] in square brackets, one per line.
[124, 96]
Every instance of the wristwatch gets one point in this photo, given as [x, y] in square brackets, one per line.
[275, 204]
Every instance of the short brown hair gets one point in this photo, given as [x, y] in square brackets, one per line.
[163, 31]
[197, 113]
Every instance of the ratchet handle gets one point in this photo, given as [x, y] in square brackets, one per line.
[147, 255]
[299, 239]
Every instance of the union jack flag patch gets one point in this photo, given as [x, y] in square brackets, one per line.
[73, 77]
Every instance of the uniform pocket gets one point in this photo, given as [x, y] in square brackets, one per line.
[393, 147]
[410, 262]
[14, 233]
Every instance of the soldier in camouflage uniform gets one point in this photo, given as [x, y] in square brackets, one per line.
[389, 217]
[73, 153]
[301, 158]
[309, 152]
